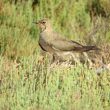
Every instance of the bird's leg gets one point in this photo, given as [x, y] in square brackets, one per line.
[55, 58]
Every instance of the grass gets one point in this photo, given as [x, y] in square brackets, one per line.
[26, 84]
[30, 86]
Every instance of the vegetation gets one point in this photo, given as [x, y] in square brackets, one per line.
[25, 84]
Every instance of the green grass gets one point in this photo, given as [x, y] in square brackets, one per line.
[34, 86]
[27, 85]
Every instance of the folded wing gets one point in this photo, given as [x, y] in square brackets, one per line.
[63, 44]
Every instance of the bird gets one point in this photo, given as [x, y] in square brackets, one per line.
[55, 43]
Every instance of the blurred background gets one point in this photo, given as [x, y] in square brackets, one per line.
[26, 84]
[86, 21]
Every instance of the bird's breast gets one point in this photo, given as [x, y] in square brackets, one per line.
[47, 37]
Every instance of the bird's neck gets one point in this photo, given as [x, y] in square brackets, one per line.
[47, 30]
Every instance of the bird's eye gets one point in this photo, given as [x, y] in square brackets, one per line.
[43, 22]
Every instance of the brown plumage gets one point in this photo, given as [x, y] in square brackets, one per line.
[53, 42]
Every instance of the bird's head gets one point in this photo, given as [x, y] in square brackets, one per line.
[44, 24]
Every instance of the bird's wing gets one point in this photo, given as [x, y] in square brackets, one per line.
[45, 46]
[63, 44]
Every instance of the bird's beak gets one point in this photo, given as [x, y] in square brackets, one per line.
[35, 22]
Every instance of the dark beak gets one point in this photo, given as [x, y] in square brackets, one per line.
[35, 22]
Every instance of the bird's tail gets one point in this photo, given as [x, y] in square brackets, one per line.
[86, 48]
